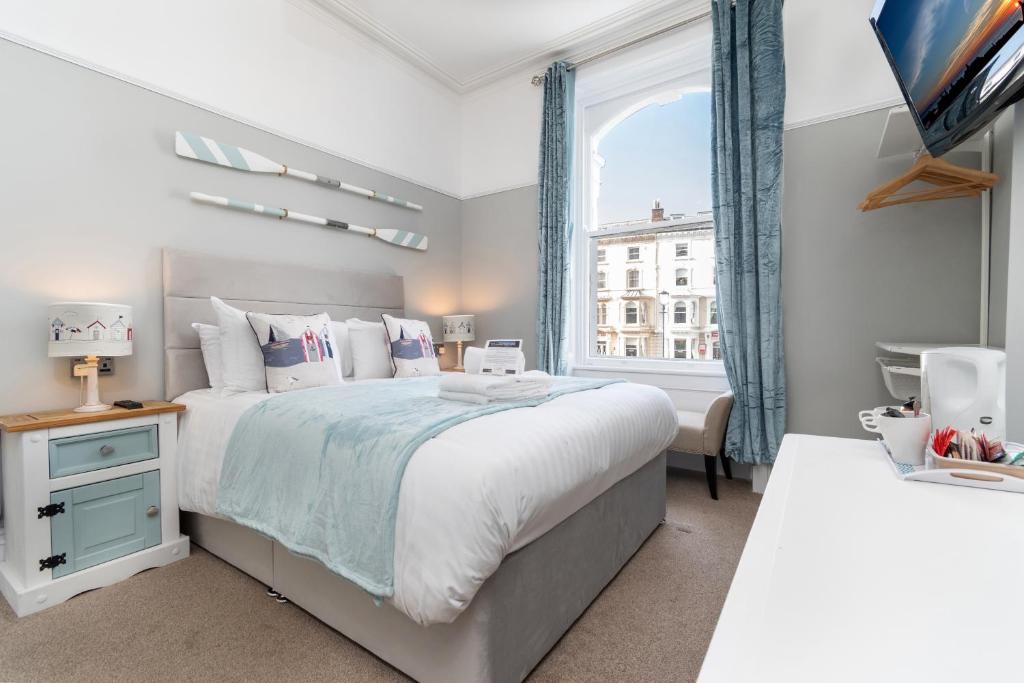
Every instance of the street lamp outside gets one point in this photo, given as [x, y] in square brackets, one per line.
[663, 298]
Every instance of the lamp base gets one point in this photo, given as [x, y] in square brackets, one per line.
[96, 408]
[89, 370]
[458, 359]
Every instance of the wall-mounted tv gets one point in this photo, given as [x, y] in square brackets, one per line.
[958, 62]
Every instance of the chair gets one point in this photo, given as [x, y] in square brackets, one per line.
[704, 434]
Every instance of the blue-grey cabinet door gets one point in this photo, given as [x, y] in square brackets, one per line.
[104, 521]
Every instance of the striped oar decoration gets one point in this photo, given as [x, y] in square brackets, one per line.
[192, 146]
[400, 238]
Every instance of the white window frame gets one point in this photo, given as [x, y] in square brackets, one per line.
[633, 259]
[688, 254]
[676, 308]
[608, 92]
[600, 284]
[639, 278]
[686, 277]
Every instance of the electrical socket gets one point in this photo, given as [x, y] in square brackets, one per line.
[106, 365]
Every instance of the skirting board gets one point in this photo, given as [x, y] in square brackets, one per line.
[519, 613]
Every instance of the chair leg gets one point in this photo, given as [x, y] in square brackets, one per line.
[726, 465]
[711, 470]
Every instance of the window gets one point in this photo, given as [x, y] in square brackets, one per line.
[602, 279]
[632, 313]
[716, 351]
[602, 348]
[633, 278]
[713, 312]
[679, 313]
[621, 144]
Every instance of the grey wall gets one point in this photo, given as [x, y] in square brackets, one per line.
[904, 273]
[499, 266]
[1002, 165]
[92, 189]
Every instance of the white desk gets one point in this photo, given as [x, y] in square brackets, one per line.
[850, 574]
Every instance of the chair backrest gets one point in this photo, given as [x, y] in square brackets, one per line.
[715, 422]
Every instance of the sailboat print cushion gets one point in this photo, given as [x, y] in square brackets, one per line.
[412, 348]
[299, 351]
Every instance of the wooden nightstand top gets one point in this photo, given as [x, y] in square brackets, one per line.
[50, 419]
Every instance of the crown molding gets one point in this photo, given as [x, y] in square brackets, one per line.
[625, 25]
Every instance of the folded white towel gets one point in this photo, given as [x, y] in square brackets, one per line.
[463, 397]
[509, 388]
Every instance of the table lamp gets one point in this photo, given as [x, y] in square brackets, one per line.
[90, 330]
[458, 329]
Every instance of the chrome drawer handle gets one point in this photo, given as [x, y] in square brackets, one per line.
[152, 511]
[107, 450]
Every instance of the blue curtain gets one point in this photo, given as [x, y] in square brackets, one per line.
[554, 224]
[749, 89]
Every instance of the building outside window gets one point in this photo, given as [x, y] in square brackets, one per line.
[633, 278]
[602, 279]
[682, 277]
[602, 348]
[679, 348]
[632, 313]
[632, 348]
[712, 312]
[600, 256]
[602, 315]
[682, 249]
[633, 253]
[679, 313]
[716, 351]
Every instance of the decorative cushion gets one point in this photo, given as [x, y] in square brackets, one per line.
[299, 351]
[241, 358]
[371, 358]
[411, 347]
[209, 344]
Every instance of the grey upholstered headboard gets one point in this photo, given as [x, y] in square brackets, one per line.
[190, 279]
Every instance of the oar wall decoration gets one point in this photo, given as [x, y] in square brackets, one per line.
[192, 146]
[397, 237]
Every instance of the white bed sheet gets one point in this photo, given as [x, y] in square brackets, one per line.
[475, 492]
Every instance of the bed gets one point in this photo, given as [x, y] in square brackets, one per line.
[508, 525]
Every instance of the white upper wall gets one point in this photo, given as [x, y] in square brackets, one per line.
[281, 65]
[288, 67]
[834, 67]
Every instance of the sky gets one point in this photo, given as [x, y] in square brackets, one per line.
[660, 152]
[931, 40]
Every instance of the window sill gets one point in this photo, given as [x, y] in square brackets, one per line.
[637, 367]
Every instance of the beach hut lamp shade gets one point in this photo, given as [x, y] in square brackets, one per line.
[89, 330]
[458, 329]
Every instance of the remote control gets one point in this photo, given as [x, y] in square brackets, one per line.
[128, 404]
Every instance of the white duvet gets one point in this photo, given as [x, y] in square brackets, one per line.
[475, 492]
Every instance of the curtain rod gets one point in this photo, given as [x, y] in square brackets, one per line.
[539, 78]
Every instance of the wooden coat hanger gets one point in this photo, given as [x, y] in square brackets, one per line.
[949, 179]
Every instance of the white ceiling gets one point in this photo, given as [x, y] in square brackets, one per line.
[468, 43]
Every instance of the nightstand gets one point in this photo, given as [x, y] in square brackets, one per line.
[89, 499]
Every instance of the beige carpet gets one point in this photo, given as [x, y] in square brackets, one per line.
[201, 619]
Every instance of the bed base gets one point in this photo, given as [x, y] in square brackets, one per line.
[517, 616]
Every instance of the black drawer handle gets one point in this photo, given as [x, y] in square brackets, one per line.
[107, 450]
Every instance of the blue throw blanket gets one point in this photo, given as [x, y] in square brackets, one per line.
[319, 470]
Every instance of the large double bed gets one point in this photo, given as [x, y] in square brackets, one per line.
[507, 527]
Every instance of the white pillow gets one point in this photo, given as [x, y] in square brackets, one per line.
[209, 344]
[299, 351]
[371, 358]
[411, 347]
[340, 331]
[241, 358]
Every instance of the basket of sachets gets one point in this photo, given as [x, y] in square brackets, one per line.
[952, 449]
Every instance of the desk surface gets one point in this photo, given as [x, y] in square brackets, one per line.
[50, 419]
[850, 574]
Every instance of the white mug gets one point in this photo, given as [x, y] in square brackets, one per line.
[905, 436]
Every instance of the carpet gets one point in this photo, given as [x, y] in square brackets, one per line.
[201, 619]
